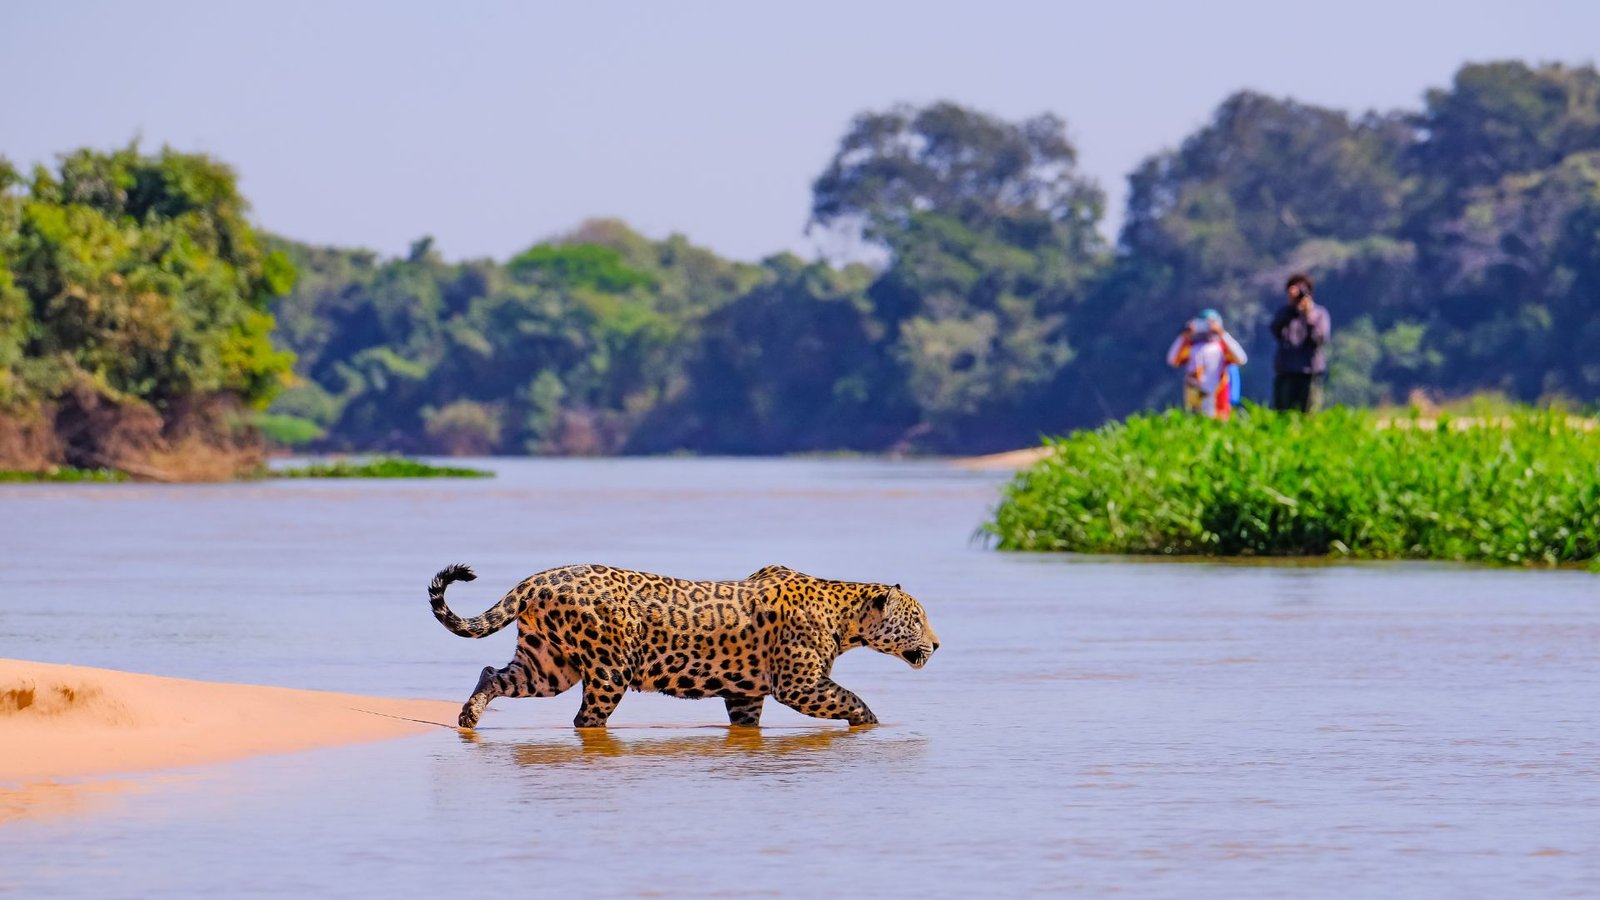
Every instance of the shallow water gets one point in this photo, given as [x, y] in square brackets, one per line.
[1090, 726]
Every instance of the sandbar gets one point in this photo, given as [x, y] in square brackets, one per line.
[1007, 461]
[72, 723]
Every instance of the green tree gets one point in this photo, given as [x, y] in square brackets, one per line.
[131, 282]
[955, 162]
[571, 342]
[1502, 118]
[991, 237]
[1457, 245]
[798, 363]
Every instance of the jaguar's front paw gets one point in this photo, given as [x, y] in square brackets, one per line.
[865, 717]
[471, 711]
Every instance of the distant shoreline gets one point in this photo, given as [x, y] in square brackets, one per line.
[376, 465]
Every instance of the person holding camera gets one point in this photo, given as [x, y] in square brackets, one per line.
[1301, 328]
[1207, 353]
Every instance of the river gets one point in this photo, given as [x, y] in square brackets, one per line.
[1091, 726]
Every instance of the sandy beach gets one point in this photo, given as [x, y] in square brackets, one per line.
[1010, 460]
[74, 723]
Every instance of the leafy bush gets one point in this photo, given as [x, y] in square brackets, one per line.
[1522, 489]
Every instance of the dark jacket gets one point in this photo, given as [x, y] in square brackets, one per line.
[1300, 340]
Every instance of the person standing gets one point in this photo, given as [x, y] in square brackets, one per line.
[1205, 351]
[1300, 366]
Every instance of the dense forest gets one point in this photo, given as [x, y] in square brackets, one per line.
[136, 330]
[1456, 246]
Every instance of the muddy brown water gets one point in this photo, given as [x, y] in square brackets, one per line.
[1090, 726]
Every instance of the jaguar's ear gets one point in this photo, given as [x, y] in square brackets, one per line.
[879, 601]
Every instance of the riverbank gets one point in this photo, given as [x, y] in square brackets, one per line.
[71, 722]
[337, 467]
[1009, 461]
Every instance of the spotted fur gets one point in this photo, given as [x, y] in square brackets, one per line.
[776, 632]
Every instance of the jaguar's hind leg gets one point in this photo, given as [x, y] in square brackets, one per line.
[744, 712]
[602, 691]
[522, 677]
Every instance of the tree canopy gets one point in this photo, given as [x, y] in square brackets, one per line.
[131, 285]
[1457, 246]
[956, 163]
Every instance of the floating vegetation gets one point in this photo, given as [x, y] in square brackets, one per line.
[1521, 488]
[62, 474]
[380, 467]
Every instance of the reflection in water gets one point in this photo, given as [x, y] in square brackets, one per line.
[742, 749]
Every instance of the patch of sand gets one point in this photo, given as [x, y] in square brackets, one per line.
[1010, 460]
[71, 722]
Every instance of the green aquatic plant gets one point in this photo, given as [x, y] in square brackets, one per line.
[1519, 489]
[61, 474]
[380, 467]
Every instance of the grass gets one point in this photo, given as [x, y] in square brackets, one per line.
[380, 467]
[65, 474]
[1522, 489]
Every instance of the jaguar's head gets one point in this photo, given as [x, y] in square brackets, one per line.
[893, 622]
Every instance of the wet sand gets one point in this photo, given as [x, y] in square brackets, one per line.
[71, 723]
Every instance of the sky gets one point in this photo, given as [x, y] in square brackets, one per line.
[494, 125]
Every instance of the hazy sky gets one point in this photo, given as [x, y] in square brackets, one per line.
[492, 125]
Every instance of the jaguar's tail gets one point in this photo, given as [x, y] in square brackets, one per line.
[494, 619]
